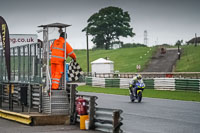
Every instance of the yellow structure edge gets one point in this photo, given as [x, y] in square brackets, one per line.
[25, 119]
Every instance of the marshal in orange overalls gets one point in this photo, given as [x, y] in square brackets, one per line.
[57, 60]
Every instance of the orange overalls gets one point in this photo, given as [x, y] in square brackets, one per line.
[57, 60]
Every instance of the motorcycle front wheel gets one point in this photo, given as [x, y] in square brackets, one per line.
[139, 97]
[132, 98]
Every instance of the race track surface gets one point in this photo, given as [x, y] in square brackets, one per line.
[154, 115]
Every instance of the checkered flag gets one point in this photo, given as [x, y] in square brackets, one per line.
[74, 71]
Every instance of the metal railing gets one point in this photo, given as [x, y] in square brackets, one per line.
[25, 64]
[26, 76]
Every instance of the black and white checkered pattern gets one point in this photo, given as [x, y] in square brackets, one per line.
[74, 71]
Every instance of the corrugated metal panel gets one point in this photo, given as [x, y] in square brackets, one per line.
[104, 120]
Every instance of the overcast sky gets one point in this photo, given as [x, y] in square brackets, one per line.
[166, 21]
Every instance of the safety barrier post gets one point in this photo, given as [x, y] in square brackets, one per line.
[72, 103]
[1, 95]
[92, 112]
[199, 85]
[116, 121]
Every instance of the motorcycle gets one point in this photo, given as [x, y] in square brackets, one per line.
[140, 87]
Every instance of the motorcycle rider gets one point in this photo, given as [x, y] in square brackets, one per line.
[132, 84]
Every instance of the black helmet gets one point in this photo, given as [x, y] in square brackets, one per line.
[63, 34]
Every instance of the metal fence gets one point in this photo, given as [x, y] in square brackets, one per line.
[25, 64]
[26, 77]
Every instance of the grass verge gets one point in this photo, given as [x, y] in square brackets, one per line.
[174, 95]
[190, 60]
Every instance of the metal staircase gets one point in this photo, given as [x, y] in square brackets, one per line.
[57, 103]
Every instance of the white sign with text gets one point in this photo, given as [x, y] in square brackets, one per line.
[21, 39]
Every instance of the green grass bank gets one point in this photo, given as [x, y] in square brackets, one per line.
[125, 59]
[190, 59]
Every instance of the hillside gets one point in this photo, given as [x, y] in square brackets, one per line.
[125, 59]
[190, 59]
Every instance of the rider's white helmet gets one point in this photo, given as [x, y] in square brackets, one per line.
[139, 77]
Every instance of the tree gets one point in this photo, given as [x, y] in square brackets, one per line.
[179, 42]
[107, 26]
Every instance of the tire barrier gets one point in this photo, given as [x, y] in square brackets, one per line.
[164, 83]
[155, 83]
[187, 75]
[187, 84]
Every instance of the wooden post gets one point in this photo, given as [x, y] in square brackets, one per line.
[72, 103]
[1, 95]
[10, 96]
[116, 122]
[92, 112]
[30, 97]
[87, 53]
[195, 39]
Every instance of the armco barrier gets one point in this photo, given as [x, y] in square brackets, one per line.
[108, 120]
[25, 119]
[102, 119]
[155, 83]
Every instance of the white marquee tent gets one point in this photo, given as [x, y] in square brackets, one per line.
[102, 65]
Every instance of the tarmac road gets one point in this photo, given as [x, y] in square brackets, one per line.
[7, 126]
[154, 115]
[150, 116]
[163, 62]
